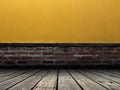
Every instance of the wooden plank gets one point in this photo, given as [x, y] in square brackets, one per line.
[86, 83]
[5, 71]
[48, 82]
[15, 74]
[106, 76]
[109, 84]
[66, 82]
[116, 72]
[9, 83]
[8, 72]
[109, 73]
[29, 83]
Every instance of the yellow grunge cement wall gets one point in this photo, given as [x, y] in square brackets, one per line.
[82, 21]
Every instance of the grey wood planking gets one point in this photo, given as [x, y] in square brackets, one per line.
[6, 73]
[106, 76]
[108, 73]
[48, 82]
[9, 83]
[3, 72]
[9, 72]
[35, 79]
[29, 83]
[66, 82]
[15, 74]
[116, 72]
[109, 84]
[86, 83]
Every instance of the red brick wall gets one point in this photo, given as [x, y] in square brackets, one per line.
[59, 54]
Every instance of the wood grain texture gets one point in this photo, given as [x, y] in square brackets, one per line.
[85, 82]
[30, 82]
[109, 84]
[11, 82]
[59, 79]
[48, 82]
[66, 82]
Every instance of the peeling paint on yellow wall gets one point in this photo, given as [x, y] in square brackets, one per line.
[82, 21]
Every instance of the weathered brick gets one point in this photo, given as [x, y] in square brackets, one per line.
[47, 53]
[32, 48]
[108, 49]
[107, 61]
[22, 52]
[38, 57]
[72, 62]
[96, 61]
[9, 52]
[115, 53]
[3, 48]
[83, 53]
[50, 57]
[9, 62]
[22, 62]
[106, 52]
[62, 55]
[38, 53]
[84, 62]
[60, 62]
[40, 48]
[1, 61]
[111, 57]
[47, 62]
[3, 58]
[95, 52]
[85, 58]
[35, 61]
[26, 57]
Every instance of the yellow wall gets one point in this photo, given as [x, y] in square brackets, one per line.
[60, 21]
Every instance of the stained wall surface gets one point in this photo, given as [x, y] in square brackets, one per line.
[60, 21]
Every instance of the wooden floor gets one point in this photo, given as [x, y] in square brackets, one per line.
[62, 79]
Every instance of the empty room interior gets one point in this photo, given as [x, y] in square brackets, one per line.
[59, 44]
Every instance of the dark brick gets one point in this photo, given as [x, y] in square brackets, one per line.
[47, 53]
[61, 53]
[13, 57]
[82, 53]
[22, 62]
[60, 62]
[72, 62]
[22, 52]
[9, 62]
[47, 62]
[35, 62]
[50, 57]
[85, 58]
[35, 53]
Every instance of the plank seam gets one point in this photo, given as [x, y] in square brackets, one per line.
[21, 80]
[15, 76]
[57, 79]
[104, 77]
[75, 80]
[107, 73]
[39, 81]
[93, 80]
